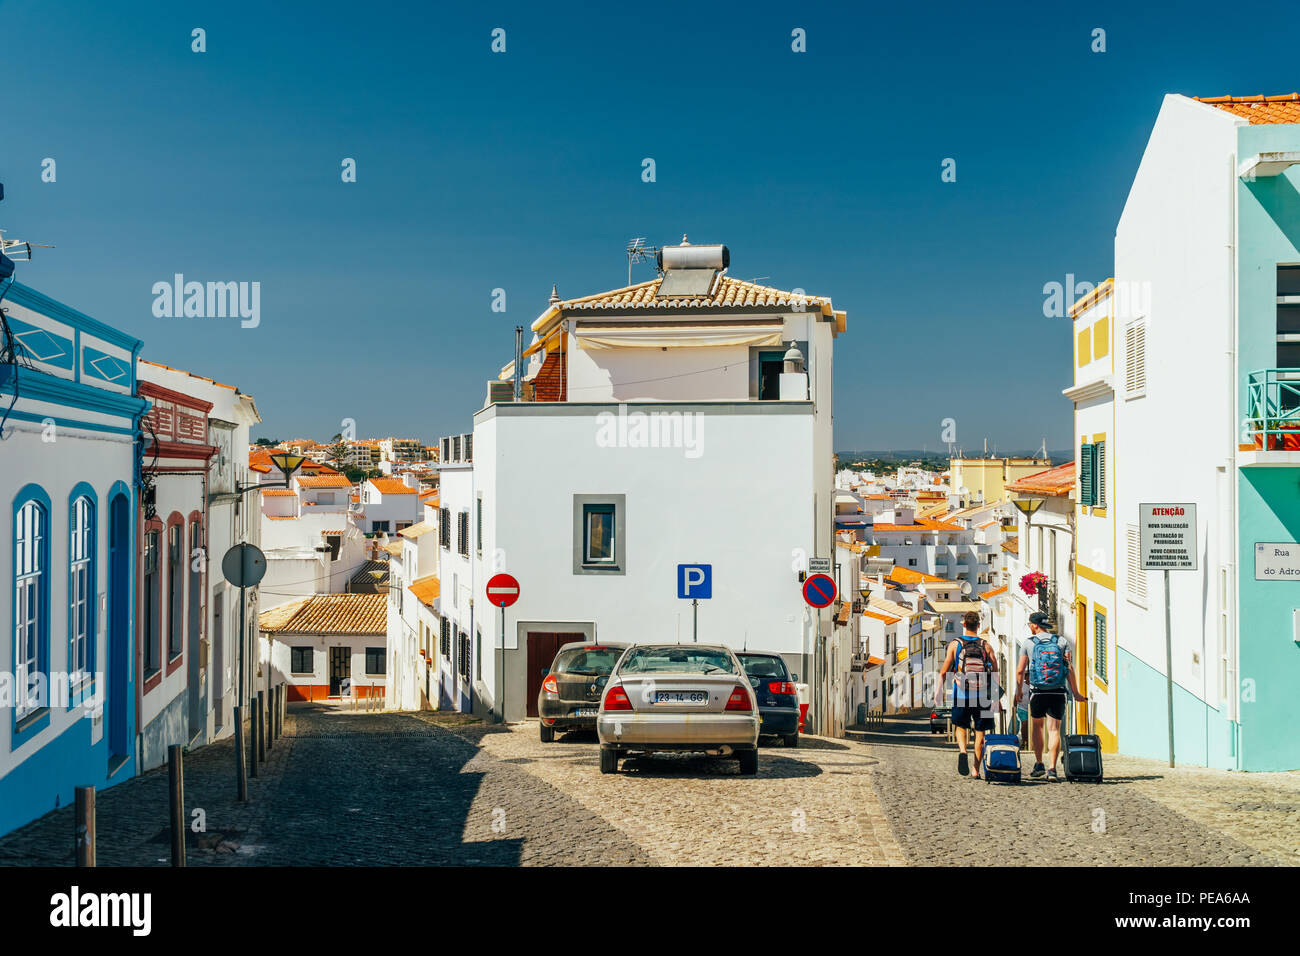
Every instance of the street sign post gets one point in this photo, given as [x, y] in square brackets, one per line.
[819, 590]
[695, 582]
[503, 591]
[244, 566]
[1167, 535]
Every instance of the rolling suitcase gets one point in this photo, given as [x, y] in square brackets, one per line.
[1001, 758]
[1083, 756]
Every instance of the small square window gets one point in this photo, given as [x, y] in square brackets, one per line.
[598, 534]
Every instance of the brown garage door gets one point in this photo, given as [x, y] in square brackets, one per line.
[542, 647]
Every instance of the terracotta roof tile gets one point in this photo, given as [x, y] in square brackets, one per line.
[330, 614]
[322, 481]
[1258, 110]
[988, 595]
[426, 589]
[279, 493]
[391, 486]
[908, 576]
[727, 292]
[1058, 482]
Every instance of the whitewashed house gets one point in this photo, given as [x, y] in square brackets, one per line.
[641, 405]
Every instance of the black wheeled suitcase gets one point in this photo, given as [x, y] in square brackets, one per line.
[1083, 758]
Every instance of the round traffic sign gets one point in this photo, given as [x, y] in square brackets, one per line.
[819, 590]
[502, 590]
[244, 565]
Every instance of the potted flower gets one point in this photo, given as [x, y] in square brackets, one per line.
[1283, 434]
[1031, 581]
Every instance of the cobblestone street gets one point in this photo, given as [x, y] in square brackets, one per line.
[355, 788]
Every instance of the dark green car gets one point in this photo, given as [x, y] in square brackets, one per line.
[569, 697]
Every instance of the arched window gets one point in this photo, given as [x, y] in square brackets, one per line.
[31, 606]
[81, 591]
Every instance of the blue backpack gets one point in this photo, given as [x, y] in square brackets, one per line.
[1047, 663]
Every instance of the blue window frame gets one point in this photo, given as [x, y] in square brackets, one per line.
[82, 569]
[31, 644]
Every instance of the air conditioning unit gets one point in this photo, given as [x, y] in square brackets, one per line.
[498, 391]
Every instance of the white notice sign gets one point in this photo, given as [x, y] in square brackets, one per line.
[819, 565]
[1168, 536]
[1277, 561]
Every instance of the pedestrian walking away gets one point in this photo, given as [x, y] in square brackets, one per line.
[1046, 667]
[973, 662]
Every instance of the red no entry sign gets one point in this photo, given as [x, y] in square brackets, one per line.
[502, 590]
[819, 590]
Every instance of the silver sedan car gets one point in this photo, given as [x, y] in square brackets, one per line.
[678, 697]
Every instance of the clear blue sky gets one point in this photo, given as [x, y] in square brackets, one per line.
[479, 170]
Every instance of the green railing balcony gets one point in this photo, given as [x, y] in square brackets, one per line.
[1272, 410]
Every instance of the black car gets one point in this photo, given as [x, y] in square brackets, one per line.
[939, 720]
[569, 697]
[777, 696]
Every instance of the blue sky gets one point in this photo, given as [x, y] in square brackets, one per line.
[477, 171]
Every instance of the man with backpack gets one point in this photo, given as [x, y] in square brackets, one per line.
[974, 662]
[1045, 665]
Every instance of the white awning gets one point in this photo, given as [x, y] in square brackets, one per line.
[658, 335]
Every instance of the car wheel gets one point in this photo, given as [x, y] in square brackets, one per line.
[749, 762]
[792, 740]
[608, 760]
[546, 733]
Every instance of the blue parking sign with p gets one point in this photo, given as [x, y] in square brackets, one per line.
[694, 581]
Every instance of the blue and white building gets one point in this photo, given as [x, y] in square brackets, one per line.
[69, 457]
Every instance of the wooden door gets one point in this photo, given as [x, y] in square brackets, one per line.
[542, 648]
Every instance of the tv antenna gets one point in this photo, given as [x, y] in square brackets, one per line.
[638, 251]
[19, 250]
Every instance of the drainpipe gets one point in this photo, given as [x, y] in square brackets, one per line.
[1230, 639]
[519, 360]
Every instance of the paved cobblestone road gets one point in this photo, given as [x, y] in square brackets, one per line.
[354, 788]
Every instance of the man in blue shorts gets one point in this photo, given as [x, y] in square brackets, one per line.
[973, 662]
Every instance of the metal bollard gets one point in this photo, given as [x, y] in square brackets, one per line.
[252, 743]
[85, 832]
[241, 770]
[176, 779]
[261, 728]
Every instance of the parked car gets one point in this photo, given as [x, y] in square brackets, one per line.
[939, 720]
[569, 698]
[678, 697]
[778, 697]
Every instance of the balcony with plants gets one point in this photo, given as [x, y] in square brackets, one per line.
[1271, 428]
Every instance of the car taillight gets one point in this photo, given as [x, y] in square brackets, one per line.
[934, 713]
[739, 699]
[781, 687]
[616, 699]
[549, 685]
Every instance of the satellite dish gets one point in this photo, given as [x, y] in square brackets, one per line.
[965, 587]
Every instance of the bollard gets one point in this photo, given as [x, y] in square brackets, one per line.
[176, 778]
[241, 772]
[268, 721]
[261, 728]
[252, 743]
[85, 833]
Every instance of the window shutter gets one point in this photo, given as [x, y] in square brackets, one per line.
[1137, 578]
[1135, 360]
[1085, 475]
[1099, 474]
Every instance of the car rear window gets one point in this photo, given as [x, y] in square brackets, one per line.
[588, 661]
[772, 667]
[677, 660]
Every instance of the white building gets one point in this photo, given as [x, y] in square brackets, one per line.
[643, 405]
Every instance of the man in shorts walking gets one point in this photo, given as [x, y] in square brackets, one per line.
[1045, 665]
[974, 663]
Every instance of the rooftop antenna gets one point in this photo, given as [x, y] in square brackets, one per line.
[1042, 451]
[638, 251]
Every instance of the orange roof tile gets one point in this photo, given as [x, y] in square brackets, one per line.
[330, 614]
[1258, 110]
[1057, 482]
[391, 486]
[727, 292]
[279, 493]
[282, 517]
[323, 481]
[1011, 545]
[994, 593]
[908, 576]
[882, 617]
[426, 589]
[920, 524]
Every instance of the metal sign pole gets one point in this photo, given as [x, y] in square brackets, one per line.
[241, 772]
[503, 662]
[695, 634]
[1169, 669]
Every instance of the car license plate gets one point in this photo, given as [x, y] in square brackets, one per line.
[681, 697]
[586, 712]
